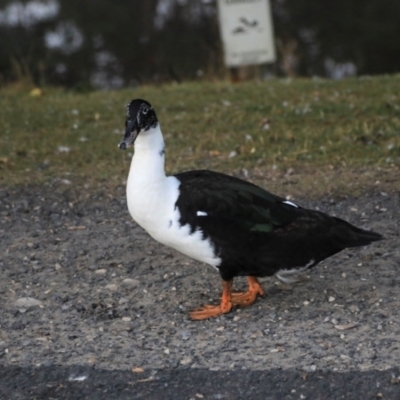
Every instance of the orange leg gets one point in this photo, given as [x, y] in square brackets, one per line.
[215, 311]
[229, 299]
[243, 299]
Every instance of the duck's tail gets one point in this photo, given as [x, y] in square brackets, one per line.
[351, 236]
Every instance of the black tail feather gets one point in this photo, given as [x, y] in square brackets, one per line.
[351, 236]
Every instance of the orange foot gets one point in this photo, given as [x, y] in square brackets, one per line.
[208, 311]
[244, 299]
[229, 299]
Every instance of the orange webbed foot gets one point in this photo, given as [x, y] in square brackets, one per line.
[244, 299]
[209, 311]
[229, 299]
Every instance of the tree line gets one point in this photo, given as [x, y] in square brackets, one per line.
[104, 43]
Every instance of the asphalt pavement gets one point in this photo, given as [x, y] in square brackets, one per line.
[77, 382]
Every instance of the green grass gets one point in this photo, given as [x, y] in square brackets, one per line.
[313, 124]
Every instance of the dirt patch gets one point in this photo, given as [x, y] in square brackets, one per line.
[96, 290]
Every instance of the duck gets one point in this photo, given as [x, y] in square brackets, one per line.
[231, 224]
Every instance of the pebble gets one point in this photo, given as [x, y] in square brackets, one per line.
[186, 360]
[354, 309]
[48, 363]
[28, 302]
[274, 351]
[130, 282]
[112, 286]
[101, 271]
[185, 335]
[310, 368]
[345, 327]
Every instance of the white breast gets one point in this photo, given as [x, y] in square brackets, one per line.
[152, 206]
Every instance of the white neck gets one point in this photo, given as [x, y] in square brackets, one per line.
[148, 160]
[147, 184]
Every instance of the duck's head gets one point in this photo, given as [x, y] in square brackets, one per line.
[139, 116]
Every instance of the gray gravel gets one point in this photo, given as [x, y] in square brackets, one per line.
[82, 284]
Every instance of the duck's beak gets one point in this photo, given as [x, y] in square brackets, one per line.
[130, 136]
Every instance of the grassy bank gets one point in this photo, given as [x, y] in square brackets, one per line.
[276, 127]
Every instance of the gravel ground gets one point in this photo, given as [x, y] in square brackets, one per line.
[82, 285]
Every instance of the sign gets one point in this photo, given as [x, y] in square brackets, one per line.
[247, 32]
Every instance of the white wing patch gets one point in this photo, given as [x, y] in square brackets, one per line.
[201, 214]
[290, 203]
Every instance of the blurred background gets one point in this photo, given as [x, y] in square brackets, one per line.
[104, 44]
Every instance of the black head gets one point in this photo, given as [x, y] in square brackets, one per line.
[139, 116]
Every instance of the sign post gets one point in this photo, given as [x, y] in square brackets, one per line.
[247, 32]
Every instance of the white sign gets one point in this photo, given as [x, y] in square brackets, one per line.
[247, 32]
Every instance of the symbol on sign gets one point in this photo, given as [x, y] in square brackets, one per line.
[246, 22]
[245, 25]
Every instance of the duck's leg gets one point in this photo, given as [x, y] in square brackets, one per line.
[229, 299]
[243, 299]
[209, 311]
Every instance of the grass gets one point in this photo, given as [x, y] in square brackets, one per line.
[277, 128]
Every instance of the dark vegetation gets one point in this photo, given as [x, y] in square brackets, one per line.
[104, 43]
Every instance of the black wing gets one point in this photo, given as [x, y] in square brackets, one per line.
[226, 198]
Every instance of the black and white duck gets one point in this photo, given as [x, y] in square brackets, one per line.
[233, 225]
